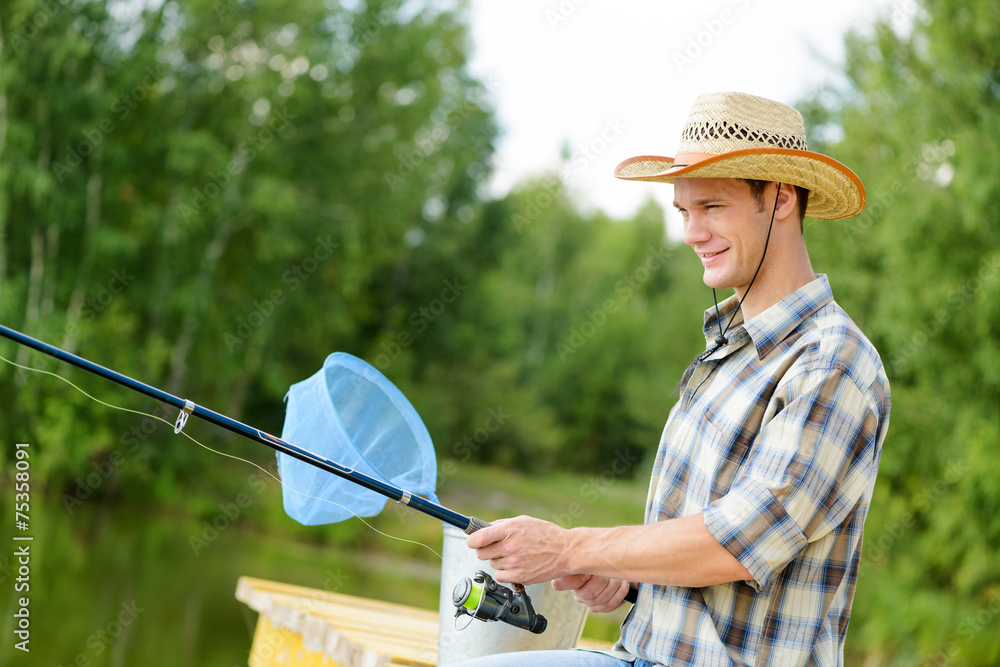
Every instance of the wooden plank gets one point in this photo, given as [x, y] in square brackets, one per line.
[348, 630]
[313, 628]
[273, 646]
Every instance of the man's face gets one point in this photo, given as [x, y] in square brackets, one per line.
[724, 225]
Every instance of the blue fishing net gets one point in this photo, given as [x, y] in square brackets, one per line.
[351, 414]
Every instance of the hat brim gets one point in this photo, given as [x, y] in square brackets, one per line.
[834, 190]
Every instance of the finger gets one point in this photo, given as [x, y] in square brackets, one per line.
[486, 536]
[598, 591]
[590, 588]
[503, 576]
[610, 598]
[570, 582]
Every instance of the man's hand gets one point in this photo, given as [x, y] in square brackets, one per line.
[522, 550]
[600, 594]
[672, 552]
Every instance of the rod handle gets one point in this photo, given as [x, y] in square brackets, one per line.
[474, 525]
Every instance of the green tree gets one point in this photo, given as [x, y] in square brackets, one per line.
[920, 270]
[577, 325]
[211, 196]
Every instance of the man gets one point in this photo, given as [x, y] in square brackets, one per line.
[762, 481]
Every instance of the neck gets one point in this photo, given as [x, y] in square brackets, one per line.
[786, 268]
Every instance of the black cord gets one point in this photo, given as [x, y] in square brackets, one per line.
[721, 339]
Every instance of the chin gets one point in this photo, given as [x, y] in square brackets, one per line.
[717, 282]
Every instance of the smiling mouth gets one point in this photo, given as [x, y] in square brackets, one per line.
[709, 255]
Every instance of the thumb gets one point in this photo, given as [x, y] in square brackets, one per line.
[486, 536]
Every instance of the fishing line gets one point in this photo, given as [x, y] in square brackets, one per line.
[519, 614]
[215, 451]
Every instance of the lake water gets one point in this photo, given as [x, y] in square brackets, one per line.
[120, 586]
[117, 586]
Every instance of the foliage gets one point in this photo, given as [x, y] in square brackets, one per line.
[235, 189]
[239, 189]
[211, 196]
[920, 270]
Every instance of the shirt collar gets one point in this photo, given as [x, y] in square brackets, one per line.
[770, 327]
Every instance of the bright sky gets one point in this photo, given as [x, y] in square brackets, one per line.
[610, 80]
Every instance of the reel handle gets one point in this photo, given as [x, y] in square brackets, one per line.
[494, 602]
[482, 598]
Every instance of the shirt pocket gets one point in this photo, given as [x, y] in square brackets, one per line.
[725, 450]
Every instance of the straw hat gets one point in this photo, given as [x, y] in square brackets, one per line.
[735, 135]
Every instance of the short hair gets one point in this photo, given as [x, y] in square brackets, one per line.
[757, 190]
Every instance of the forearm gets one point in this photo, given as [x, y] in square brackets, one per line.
[677, 552]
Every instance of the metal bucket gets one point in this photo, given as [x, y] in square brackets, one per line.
[564, 614]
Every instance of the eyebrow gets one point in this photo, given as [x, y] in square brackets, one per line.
[702, 202]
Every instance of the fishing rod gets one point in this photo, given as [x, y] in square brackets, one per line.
[468, 524]
[478, 597]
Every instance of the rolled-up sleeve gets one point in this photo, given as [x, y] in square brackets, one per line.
[806, 470]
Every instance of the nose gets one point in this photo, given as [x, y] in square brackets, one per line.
[695, 229]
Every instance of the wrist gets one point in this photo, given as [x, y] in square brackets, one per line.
[585, 551]
[573, 553]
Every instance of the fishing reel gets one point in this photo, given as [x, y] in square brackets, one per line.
[483, 598]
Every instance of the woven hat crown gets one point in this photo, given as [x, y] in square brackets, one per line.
[736, 135]
[723, 122]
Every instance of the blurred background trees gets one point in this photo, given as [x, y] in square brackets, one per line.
[239, 191]
[212, 196]
[920, 271]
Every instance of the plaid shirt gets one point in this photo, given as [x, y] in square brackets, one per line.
[776, 438]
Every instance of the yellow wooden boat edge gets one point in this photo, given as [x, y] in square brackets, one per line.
[307, 627]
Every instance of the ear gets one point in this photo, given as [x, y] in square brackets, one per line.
[788, 202]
